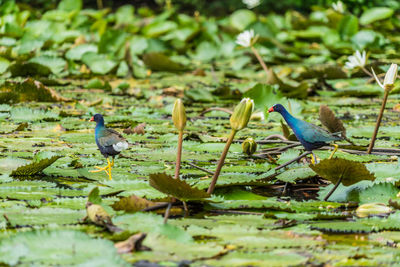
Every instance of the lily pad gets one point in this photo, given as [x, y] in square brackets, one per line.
[175, 187]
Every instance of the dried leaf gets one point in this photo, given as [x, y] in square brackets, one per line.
[133, 203]
[28, 90]
[351, 171]
[329, 120]
[177, 188]
[133, 243]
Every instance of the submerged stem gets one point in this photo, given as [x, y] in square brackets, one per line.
[334, 188]
[378, 121]
[221, 162]
[179, 155]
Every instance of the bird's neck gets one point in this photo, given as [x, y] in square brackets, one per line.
[99, 128]
[290, 120]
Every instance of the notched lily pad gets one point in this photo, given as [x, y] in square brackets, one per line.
[177, 188]
[349, 171]
[38, 165]
[28, 90]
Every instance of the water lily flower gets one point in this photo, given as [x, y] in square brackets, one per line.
[246, 38]
[251, 3]
[338, 7]
[357, 60]
[390, 77]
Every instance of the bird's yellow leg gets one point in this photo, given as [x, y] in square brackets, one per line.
[110, 164]
[334, 151]
[100, 169]
[312, 159]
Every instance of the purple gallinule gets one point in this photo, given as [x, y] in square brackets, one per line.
[109, 142]
[310, 136]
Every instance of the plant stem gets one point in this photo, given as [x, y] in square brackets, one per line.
[367, 72]
[259, 58]
[100, 4]
[221, 162]
[293, 160]
[334, 188]
[378, 121]
[166, 215]
[179, 155]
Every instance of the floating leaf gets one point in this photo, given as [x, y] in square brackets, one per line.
[94, 196]
[25, 69]
[98, 64]
[175, 187]
[160, 62]
[349, 171]
[374, 14]
[330, 121]
[71, 248]
[378, 193]
[35, 167]
[28, 90]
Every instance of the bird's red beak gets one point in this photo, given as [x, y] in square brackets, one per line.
[271, 109]
[91, 119]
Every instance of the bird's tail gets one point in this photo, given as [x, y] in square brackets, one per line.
[339, 135]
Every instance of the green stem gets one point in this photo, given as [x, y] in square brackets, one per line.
[221, 162]
[378, 121]
[179, 155]
[100, 4]
[259, 58]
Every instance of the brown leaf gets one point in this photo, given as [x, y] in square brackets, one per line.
[329, 120]
[133, 243]
[28, 90]
[177, 188]
[133, 203]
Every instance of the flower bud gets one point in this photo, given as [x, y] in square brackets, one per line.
[241, 114]
[368, 209]
[249, 146]
[390, 77]
[179, 115]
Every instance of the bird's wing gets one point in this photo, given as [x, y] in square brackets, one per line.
[314, 134]
[110, 137]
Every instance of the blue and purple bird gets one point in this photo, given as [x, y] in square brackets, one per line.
[309, 135]
[109, 142]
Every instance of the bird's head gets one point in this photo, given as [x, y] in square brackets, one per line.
[277, 108]
[97, 118]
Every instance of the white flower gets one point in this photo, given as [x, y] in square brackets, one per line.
[251, 3]
[357, 60]
[390, 77]
[246, 38]
[338, 6]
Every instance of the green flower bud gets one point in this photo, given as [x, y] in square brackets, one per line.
[179, 115]
[241, 114]
[249, 146]
[368, 209]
